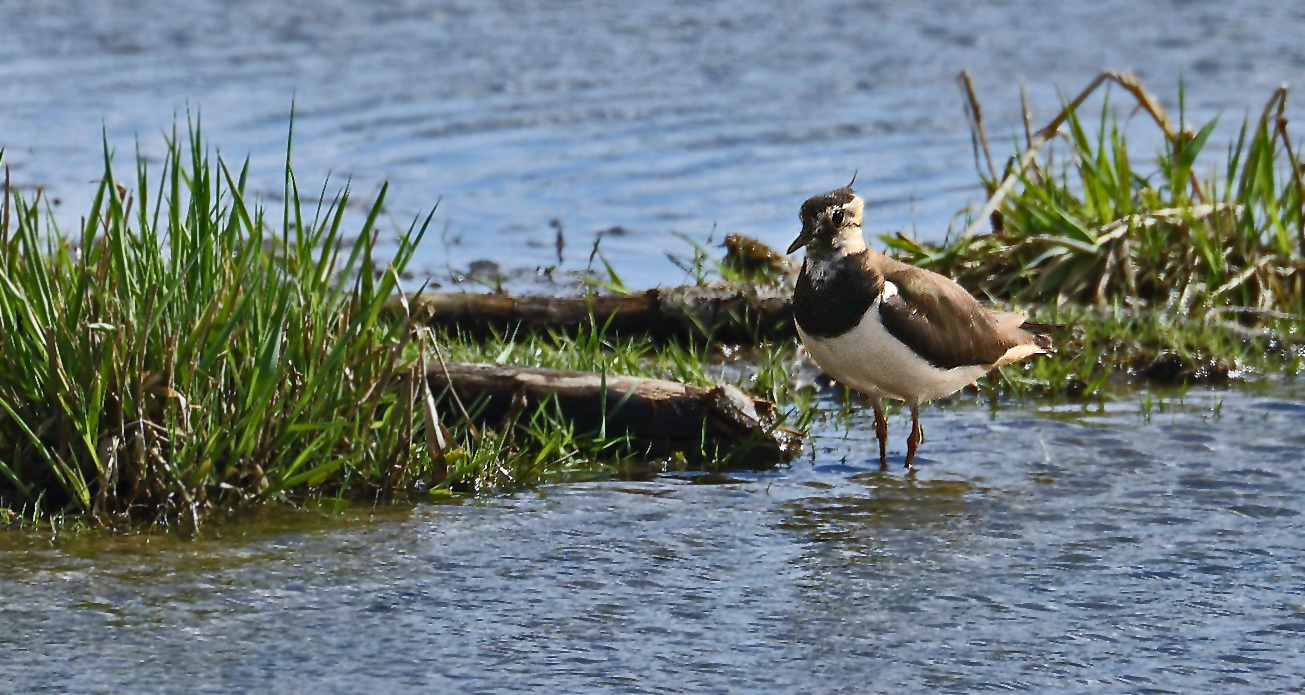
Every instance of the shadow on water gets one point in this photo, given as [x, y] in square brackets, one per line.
[872, 502]
[1149, 544]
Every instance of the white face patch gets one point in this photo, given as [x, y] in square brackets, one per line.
[852, 211]
[849, 240]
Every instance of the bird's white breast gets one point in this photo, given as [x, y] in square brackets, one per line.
[869, 359]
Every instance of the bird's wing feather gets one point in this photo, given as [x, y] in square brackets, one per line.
[941, 322]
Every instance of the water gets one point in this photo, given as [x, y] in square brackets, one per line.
[662, 118]
[1085, 550]
[1038, 547]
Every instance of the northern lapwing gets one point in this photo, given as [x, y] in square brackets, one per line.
[888, 329]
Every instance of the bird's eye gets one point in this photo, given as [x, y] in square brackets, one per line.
[837, 217]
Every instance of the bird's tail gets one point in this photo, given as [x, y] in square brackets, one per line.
[1041, 333]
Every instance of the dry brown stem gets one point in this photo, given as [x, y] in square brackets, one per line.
[1128, 81]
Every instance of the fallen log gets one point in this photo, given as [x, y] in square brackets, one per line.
[724, 314]
[732, 315]
[706, 425]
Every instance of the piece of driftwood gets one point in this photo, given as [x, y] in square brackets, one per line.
[730, 315]
[661, 417]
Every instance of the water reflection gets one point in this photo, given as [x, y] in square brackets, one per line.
[871, 502]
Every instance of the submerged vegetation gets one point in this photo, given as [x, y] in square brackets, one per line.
[187, 350]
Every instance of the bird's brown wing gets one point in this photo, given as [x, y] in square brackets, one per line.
[942, 323]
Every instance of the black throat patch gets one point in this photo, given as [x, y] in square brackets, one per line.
[836, 305]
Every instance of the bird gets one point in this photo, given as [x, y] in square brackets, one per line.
[889, 329]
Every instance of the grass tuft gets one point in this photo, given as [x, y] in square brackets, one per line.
[187, 350]
[1078, 218]
[190, 351]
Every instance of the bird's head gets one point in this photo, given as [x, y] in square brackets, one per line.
[831, 224]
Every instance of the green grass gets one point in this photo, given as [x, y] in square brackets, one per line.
[1089, 221]
[1186, 265]
[1104, 351]
[188, 350]
[762, 371]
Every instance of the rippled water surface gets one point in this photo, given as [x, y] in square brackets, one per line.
[658, 118]
[1082, 550]
[1038, 547]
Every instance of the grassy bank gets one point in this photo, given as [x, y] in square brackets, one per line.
[188, 350]
[1079, 217]
[1179, 265]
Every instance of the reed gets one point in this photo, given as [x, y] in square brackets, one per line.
[188, 349]
[1078, 217]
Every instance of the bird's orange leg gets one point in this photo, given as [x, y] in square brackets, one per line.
[913, 441]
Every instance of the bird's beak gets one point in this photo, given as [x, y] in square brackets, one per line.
[803, 239]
